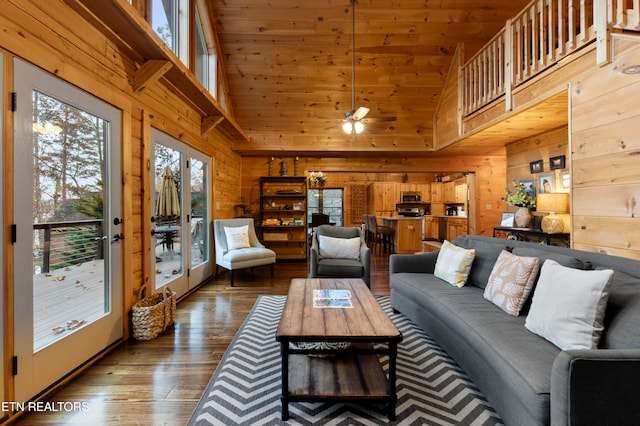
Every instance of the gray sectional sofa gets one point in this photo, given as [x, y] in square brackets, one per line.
[527, 379]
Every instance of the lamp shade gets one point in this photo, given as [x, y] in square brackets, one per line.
[553, 202]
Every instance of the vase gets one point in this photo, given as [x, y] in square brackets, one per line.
[523, 217]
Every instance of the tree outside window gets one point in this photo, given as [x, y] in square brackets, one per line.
[327, 201]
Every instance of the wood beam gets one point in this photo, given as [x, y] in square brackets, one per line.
[209, 123]
[149, 73]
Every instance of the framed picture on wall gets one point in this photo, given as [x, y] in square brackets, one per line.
[565, 181]
[507, 219]
[536, 166]
[545, 183]
[529, 186]
[557, 162]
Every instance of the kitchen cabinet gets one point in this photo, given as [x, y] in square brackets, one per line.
[448, 192]
[461, 192]
[382, 198]
[283, 211]
[431, 228]
[456, 226]
[436, 192]
[425, 190]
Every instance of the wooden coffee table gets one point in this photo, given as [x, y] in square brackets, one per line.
[321, 375]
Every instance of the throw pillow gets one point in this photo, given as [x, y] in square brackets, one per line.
[237, 237]
[511, 281]
[568, 305]
[454, 263]
[339, 248]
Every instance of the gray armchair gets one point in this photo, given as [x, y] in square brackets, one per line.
[322, 266]
[254, 254]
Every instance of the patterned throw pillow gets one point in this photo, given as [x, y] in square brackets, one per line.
[454, 263]
[237, 237]
[511, 281]
[339, 248]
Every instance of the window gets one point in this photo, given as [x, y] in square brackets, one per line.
[205, 61]
[164, 21]
[202, 55]
[327, 201]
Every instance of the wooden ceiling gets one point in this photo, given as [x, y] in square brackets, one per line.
[288, 68]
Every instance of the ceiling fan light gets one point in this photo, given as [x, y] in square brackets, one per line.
[347, 127]
[359, 127]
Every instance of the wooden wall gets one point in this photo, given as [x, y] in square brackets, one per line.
[346, 172]
[541, 147]
[40, 33]
[605, 145]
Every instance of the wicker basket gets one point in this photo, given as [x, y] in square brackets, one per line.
[153, 314]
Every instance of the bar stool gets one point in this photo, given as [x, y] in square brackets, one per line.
[380, 234]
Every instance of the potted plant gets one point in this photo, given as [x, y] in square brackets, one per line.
[523, 200]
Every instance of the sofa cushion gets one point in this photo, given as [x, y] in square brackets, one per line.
[487, 252]
[339, 248]
[454, 263]
[568, 306]
[622, 315]
[237, 237]
[562, 259]
[511, 281]
[346, 268]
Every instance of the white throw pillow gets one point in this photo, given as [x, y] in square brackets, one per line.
[237, 237]
[454, 263]
[511, 281]
[568, 305]
[339, 248]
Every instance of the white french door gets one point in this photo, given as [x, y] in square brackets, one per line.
[179, 214]
[67, 210]
[2, 292]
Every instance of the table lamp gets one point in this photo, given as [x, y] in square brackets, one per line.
[552, 203]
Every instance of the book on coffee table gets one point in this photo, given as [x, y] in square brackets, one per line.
[332, 299]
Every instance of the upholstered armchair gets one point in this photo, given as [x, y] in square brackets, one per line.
[339, 252]
[237, 246]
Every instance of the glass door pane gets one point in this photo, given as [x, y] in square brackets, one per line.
[167, 211]
[199, 212]
[69, 243]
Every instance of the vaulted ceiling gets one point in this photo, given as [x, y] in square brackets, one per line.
[288, 68]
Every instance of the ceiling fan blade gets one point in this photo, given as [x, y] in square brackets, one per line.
[360, 113]
[378, 119]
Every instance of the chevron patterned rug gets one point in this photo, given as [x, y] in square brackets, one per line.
[245, 388]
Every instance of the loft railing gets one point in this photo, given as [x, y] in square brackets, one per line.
[538, 37]
[624, 14]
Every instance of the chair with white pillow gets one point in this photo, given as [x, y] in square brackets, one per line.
[339, 252]
[238, 247]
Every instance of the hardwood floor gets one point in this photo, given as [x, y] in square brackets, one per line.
[160, 381]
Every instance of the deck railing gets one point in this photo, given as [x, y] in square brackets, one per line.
[538, 37]
[62, 244]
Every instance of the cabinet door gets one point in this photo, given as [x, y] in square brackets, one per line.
[461, 193]
[436, 192]
[431, 228]
[449, 192]
[409, 236]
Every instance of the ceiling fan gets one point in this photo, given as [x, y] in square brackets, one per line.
[355, 120]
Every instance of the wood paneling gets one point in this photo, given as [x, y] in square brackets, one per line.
[606, 144]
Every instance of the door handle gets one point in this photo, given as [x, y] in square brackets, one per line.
[117, 237]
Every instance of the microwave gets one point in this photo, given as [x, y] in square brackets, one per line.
[410, 197]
